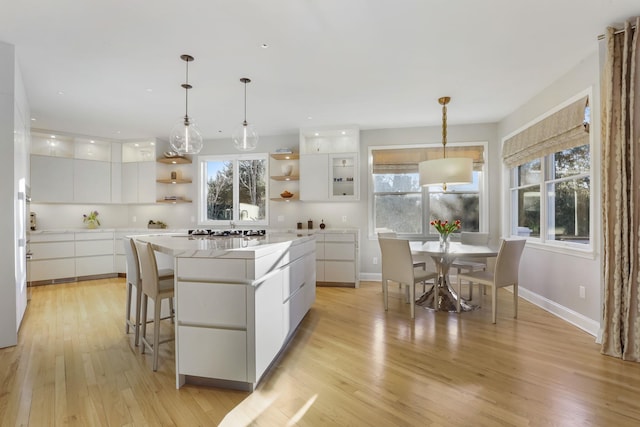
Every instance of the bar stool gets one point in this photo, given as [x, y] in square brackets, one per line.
[157, 288]
[133, 279]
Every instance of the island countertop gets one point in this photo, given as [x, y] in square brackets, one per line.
[182, 245]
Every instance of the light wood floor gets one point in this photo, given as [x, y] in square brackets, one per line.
[350, 363]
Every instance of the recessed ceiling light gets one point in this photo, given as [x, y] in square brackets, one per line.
[316, 134]
[152, 144]
[136, 145]
[53, 136]
[309, 118]
[33, 119]
[92, 141]
[149, 90]
[344, 133]
[60, 92]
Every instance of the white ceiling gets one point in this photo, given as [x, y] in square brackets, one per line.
[112, 69]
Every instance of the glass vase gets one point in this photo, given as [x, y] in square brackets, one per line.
[444, 241]
[91, 224]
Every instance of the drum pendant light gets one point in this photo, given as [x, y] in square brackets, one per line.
[447, 170]
[185, 136]
[245, 137]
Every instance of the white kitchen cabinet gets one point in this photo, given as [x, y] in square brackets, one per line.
[94, 253]
[314, 177]
[91, 181]
[138, 182]
[51, 179]
[329, 164]
[337, 258]
[53, 257]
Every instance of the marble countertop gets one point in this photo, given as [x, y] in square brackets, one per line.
[248, 247]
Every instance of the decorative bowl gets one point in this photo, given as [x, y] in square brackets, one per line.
[285, 194]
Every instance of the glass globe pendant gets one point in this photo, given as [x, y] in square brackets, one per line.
[185, 136]
[245, 138]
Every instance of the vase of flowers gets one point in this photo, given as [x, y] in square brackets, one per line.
[445, 229]
[91, 219]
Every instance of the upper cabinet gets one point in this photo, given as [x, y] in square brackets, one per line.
[329, 164]
[70, 169]
[138, 172]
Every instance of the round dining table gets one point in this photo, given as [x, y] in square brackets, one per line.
[442, 297]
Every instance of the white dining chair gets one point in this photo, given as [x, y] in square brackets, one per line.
[418, 260]
[505, 274]
[471, 264]
[397, 266]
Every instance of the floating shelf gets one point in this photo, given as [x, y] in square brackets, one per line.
[285, 156]
[282, 199]
[173, 201]
[178, 160]
[286, 178]
[174, 181]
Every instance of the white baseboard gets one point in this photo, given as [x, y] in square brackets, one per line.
[586, 324]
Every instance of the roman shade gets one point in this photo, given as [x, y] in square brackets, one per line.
[405, 160]
[562, 130]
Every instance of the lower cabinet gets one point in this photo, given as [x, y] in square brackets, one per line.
[94, 253]
[337, 258]
[233, 329]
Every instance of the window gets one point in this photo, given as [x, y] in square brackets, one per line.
[398, 202]
[233, 189]
[551, 194]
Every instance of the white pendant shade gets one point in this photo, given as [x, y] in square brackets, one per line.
[446, 171]
[186, 138]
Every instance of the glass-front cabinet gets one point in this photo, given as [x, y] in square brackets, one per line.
[343, 173]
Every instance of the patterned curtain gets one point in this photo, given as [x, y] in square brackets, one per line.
[621, 192]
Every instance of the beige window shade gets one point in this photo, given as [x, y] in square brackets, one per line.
[405, 160]
[560, 131]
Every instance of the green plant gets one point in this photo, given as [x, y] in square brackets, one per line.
[91, 217]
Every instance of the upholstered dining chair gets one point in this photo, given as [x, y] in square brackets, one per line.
[505, 274]
[157, 288]
[397, 266]
[418, 261]
[471, 264]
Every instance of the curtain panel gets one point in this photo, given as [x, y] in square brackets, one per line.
[562, 130]
[621, 193]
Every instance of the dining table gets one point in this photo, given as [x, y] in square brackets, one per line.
[442, 296]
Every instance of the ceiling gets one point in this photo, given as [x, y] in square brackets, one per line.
[112, 69]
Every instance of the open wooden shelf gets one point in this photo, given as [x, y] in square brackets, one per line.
[174, 181]
[286, 178]
[173, 201]
[178, 160]
[285, 156]
[283, 199]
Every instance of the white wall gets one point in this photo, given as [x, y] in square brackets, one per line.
[551, 279]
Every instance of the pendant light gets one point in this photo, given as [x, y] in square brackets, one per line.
[185, 136]
[447, 170]
[245, 137]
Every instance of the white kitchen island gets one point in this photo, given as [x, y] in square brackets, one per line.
[238, 301]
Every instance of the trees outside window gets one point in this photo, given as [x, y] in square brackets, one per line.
[233, 189]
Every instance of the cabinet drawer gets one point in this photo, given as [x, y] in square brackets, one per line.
[52, 250]
[341, 237]
[51, 269]
[50, 237]
[212, 304]
[95, 235]
[89, 266]
[94, 247]
[340, 251]
[339, 271]
[212, 353]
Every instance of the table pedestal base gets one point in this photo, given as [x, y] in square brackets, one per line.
[446, 300]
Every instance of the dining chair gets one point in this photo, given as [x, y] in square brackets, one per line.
[505, 274]
[157, 288]
[397, 266]
[471, 264]
[418, 260]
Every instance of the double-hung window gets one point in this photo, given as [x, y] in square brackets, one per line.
[550, 178]
[400, 204]
[233, 189]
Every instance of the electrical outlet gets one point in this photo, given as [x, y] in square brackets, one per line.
[583, 292]
[133, 219]
[375, 260]
[280, 218]
[344, 218]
